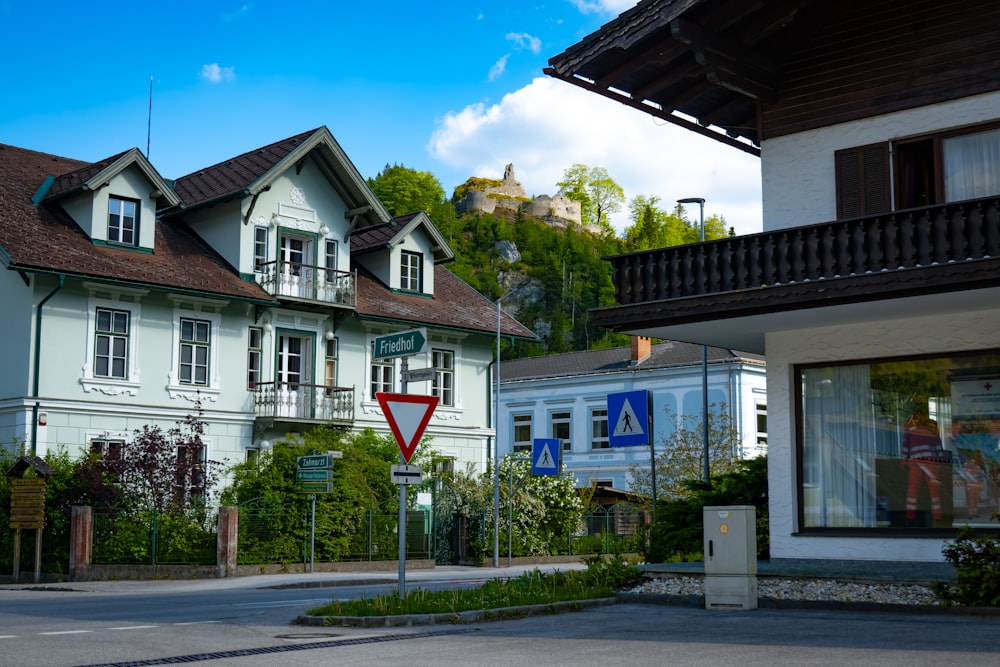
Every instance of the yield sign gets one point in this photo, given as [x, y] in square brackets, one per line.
[408, 415]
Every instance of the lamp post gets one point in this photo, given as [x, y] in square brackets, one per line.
[496, 437]
[704, 348]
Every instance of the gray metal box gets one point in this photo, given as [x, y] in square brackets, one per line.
[730, 540]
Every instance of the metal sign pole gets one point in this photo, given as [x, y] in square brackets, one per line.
[312, 535]
[404, 369]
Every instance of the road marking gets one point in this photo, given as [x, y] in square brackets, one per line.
[8, 636]
[134, 627]
[198, 623]
[67, 632]
[283, 603]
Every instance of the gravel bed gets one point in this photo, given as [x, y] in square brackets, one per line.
[822, 590]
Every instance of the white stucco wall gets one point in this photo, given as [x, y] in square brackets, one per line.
[974, 330]
[797, 171]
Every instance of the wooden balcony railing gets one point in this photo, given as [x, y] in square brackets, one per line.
[310, 283]
[304, 402]
[948, 233]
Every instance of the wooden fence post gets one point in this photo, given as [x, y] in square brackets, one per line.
[81, 534]
[228, 540]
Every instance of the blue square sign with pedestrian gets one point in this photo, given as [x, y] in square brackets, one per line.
[628, 419]
[545, 456]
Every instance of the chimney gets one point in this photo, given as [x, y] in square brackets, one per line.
[640, 350]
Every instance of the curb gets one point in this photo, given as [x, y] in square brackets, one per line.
[453, 618]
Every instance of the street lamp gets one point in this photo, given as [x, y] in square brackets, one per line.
[496, 440]
[704, 348]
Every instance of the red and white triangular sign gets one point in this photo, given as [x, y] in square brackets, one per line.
[408, 415]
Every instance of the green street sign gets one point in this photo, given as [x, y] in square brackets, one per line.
[314, 461]
[314, 475]
[400, 344]
[315, 487]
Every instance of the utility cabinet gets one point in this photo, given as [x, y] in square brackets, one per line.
[730, 557]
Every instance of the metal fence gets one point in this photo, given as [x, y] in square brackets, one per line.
[286, 536]
[611, 530]
[129, 538]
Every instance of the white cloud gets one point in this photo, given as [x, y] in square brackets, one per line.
[610, 7]
[498, 67]
[215, 74]
[549, 125]
[523, 40]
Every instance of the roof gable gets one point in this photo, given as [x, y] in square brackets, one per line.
[254, 171]
[95, 175]
[389, 234]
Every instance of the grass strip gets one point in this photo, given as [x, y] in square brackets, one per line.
[600, 579]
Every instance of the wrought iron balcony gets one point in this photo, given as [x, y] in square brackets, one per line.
[305, 282]
[286, 401]
[914, 238]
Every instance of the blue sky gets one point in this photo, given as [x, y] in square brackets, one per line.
[454, 88]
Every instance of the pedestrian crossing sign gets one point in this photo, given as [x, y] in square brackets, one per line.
[545, 456]
[628, 419]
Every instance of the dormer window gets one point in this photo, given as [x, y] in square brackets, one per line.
[123, 221]
[410, 277]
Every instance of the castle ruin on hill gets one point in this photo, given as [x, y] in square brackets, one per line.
[558, 210]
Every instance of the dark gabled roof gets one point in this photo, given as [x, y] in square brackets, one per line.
[454, 305]
[377, 237]
[668, 354]
[236, 175]
[43, 238]
[75, 179]
[255, 171]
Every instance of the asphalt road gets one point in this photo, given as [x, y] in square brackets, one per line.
[247, 622]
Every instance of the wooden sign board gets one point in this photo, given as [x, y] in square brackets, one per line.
[27, 503]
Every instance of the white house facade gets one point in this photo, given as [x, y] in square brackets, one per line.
[253, 288]
[565, 396]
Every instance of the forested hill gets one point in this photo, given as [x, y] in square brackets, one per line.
[550, 274]
[557, 274]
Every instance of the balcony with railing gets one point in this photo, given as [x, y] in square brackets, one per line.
[304, 282]
[286, 401]
[932, 237]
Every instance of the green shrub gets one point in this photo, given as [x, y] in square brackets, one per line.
[678, 533]
[977, 564]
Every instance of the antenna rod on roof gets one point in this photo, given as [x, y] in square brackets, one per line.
[149, 116]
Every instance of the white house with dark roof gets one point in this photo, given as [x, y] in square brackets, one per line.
[565, 396]
[253, 287]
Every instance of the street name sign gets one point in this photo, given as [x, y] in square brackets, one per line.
[314, 461]
[420, 375]
[407, 474]
[401, 344]
[628, 419]
[408, 416]
[316, 487]
[313, 475]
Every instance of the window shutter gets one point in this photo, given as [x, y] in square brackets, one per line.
[862, 175]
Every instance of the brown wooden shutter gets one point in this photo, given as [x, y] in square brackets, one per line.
[862, 175]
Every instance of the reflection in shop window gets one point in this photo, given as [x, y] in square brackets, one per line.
[901, 444]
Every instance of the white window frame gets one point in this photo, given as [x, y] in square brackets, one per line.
[260, 243]
[520, 420]
[381, 368]
[191, 348]
[411, 265]
[189, 308]
[443, 375]
[106, 385]
[567, 442]
[120, 229]
[255, 356]
[597, 417]
[760, 413]
[330, 260]
[330, 362]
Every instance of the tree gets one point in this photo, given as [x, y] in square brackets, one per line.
[165, 471]
[402, 190]
[652, 227]
[681, 458]
[595, 190]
